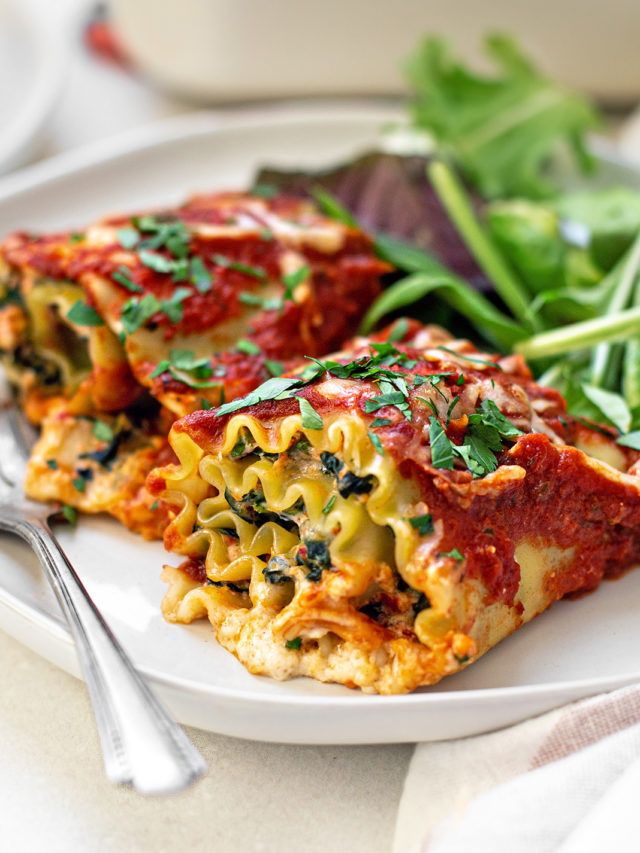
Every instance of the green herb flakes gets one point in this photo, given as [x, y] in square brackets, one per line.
[375, 440]
[84, 315]
[310, 418]
[70, 514]
[294, 644]
[329, 505]
[423, 524]
[102, 431]
[400, 329]
[128, 237]
[454, 554]
[248, 347]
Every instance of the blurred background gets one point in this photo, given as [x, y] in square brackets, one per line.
[76, 71]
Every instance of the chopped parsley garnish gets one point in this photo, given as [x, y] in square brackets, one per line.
[84, 315]
[294, 644]
[236, 266]
[275, 368]
[205, 405]
[374, 367]
[171, 235]
[123, 276]
[267, 235]
[484, 437]
[454, 553]
[53, 464]
[70, 514]
[441, 446]
[471, 358]
[172, 307]
[310, 418]
[136, 312]
[293, 279]
[423, 524]
[154, 505]
[102, 431]
[76, 238]
[248, 347]
[400, 329]
[378, 422]
[329, 505]
[452, 406]
[186, 368]
[199, 275]
[79, 484]
[128, 237]
[267, 303]
[375, 440]
[156, 262]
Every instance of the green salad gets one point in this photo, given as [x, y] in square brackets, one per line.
[489, 240]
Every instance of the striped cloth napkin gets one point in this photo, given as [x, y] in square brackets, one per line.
[566, 781]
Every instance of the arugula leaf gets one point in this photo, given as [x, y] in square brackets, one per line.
[631, 439]
[310, 418]
[84, 315]
[501, 130]
[495, 326]
[612, 407]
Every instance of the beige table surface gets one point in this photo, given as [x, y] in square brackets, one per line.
[256, 796]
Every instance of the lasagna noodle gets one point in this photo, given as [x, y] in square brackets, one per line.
[300, 544]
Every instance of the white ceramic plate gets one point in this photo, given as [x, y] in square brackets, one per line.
[575, 649]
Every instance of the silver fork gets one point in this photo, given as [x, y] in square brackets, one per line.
[141, 744]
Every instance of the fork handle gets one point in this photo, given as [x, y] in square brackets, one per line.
[141, 744]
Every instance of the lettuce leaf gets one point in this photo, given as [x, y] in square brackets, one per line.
[500, 130]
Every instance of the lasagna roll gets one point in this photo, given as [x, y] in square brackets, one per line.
[160, 314]
[384, 517]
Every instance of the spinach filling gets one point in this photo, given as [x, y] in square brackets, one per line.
[277, 570]
[47, 372]
[314, 555]
[348, 483]
[252, 508]
[234, 587]
[106, 455]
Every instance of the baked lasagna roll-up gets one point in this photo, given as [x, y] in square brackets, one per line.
[384, 517]
[179, 308]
